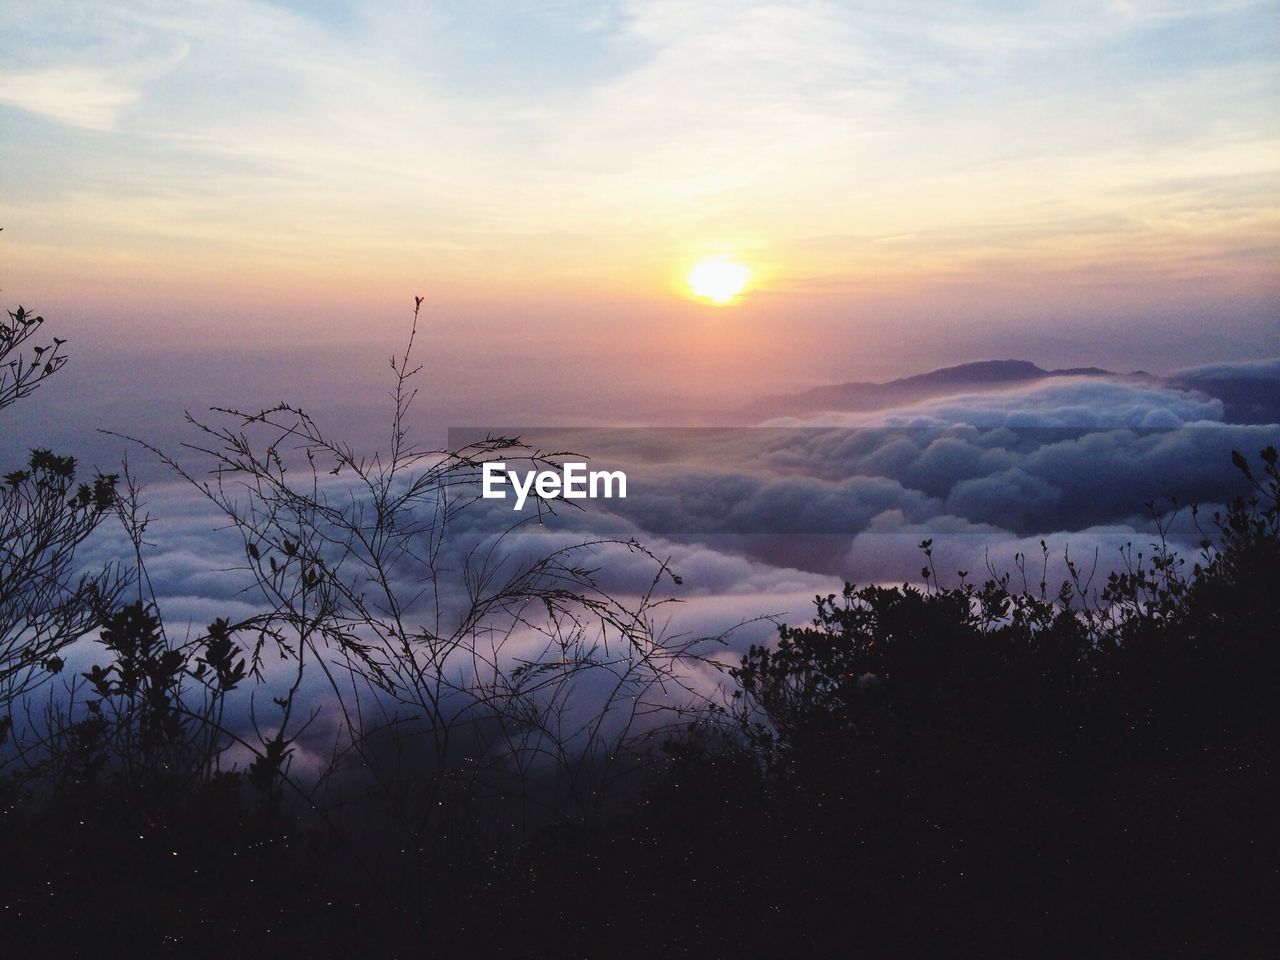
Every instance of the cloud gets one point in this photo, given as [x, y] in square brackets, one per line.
[84, 97]
[1067, 402]
[82, 65]
[770, 511]
[1265, 370]
[1077, 454]
[1071, 451]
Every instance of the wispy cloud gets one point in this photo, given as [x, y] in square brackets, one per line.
[79, 96]
[79, 64]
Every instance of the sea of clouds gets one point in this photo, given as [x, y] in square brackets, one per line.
[757, 521]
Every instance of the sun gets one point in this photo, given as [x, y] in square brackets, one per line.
[718, 279]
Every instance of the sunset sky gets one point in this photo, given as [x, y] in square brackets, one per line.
[909, 184]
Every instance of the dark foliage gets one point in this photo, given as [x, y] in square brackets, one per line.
[24, 365]
[47, 601]
[1161, 662]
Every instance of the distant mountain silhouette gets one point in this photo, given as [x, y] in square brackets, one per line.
[860, 396]
[1246, 400]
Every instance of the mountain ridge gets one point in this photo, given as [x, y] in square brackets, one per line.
[866, 395]
[1245, 400]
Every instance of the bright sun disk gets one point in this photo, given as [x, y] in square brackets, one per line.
[717, 279]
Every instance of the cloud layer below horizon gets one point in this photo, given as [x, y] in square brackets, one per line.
[758, 520]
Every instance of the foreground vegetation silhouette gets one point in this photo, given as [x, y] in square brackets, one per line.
[988, 769]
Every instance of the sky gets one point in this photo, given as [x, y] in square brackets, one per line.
[910, 185]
